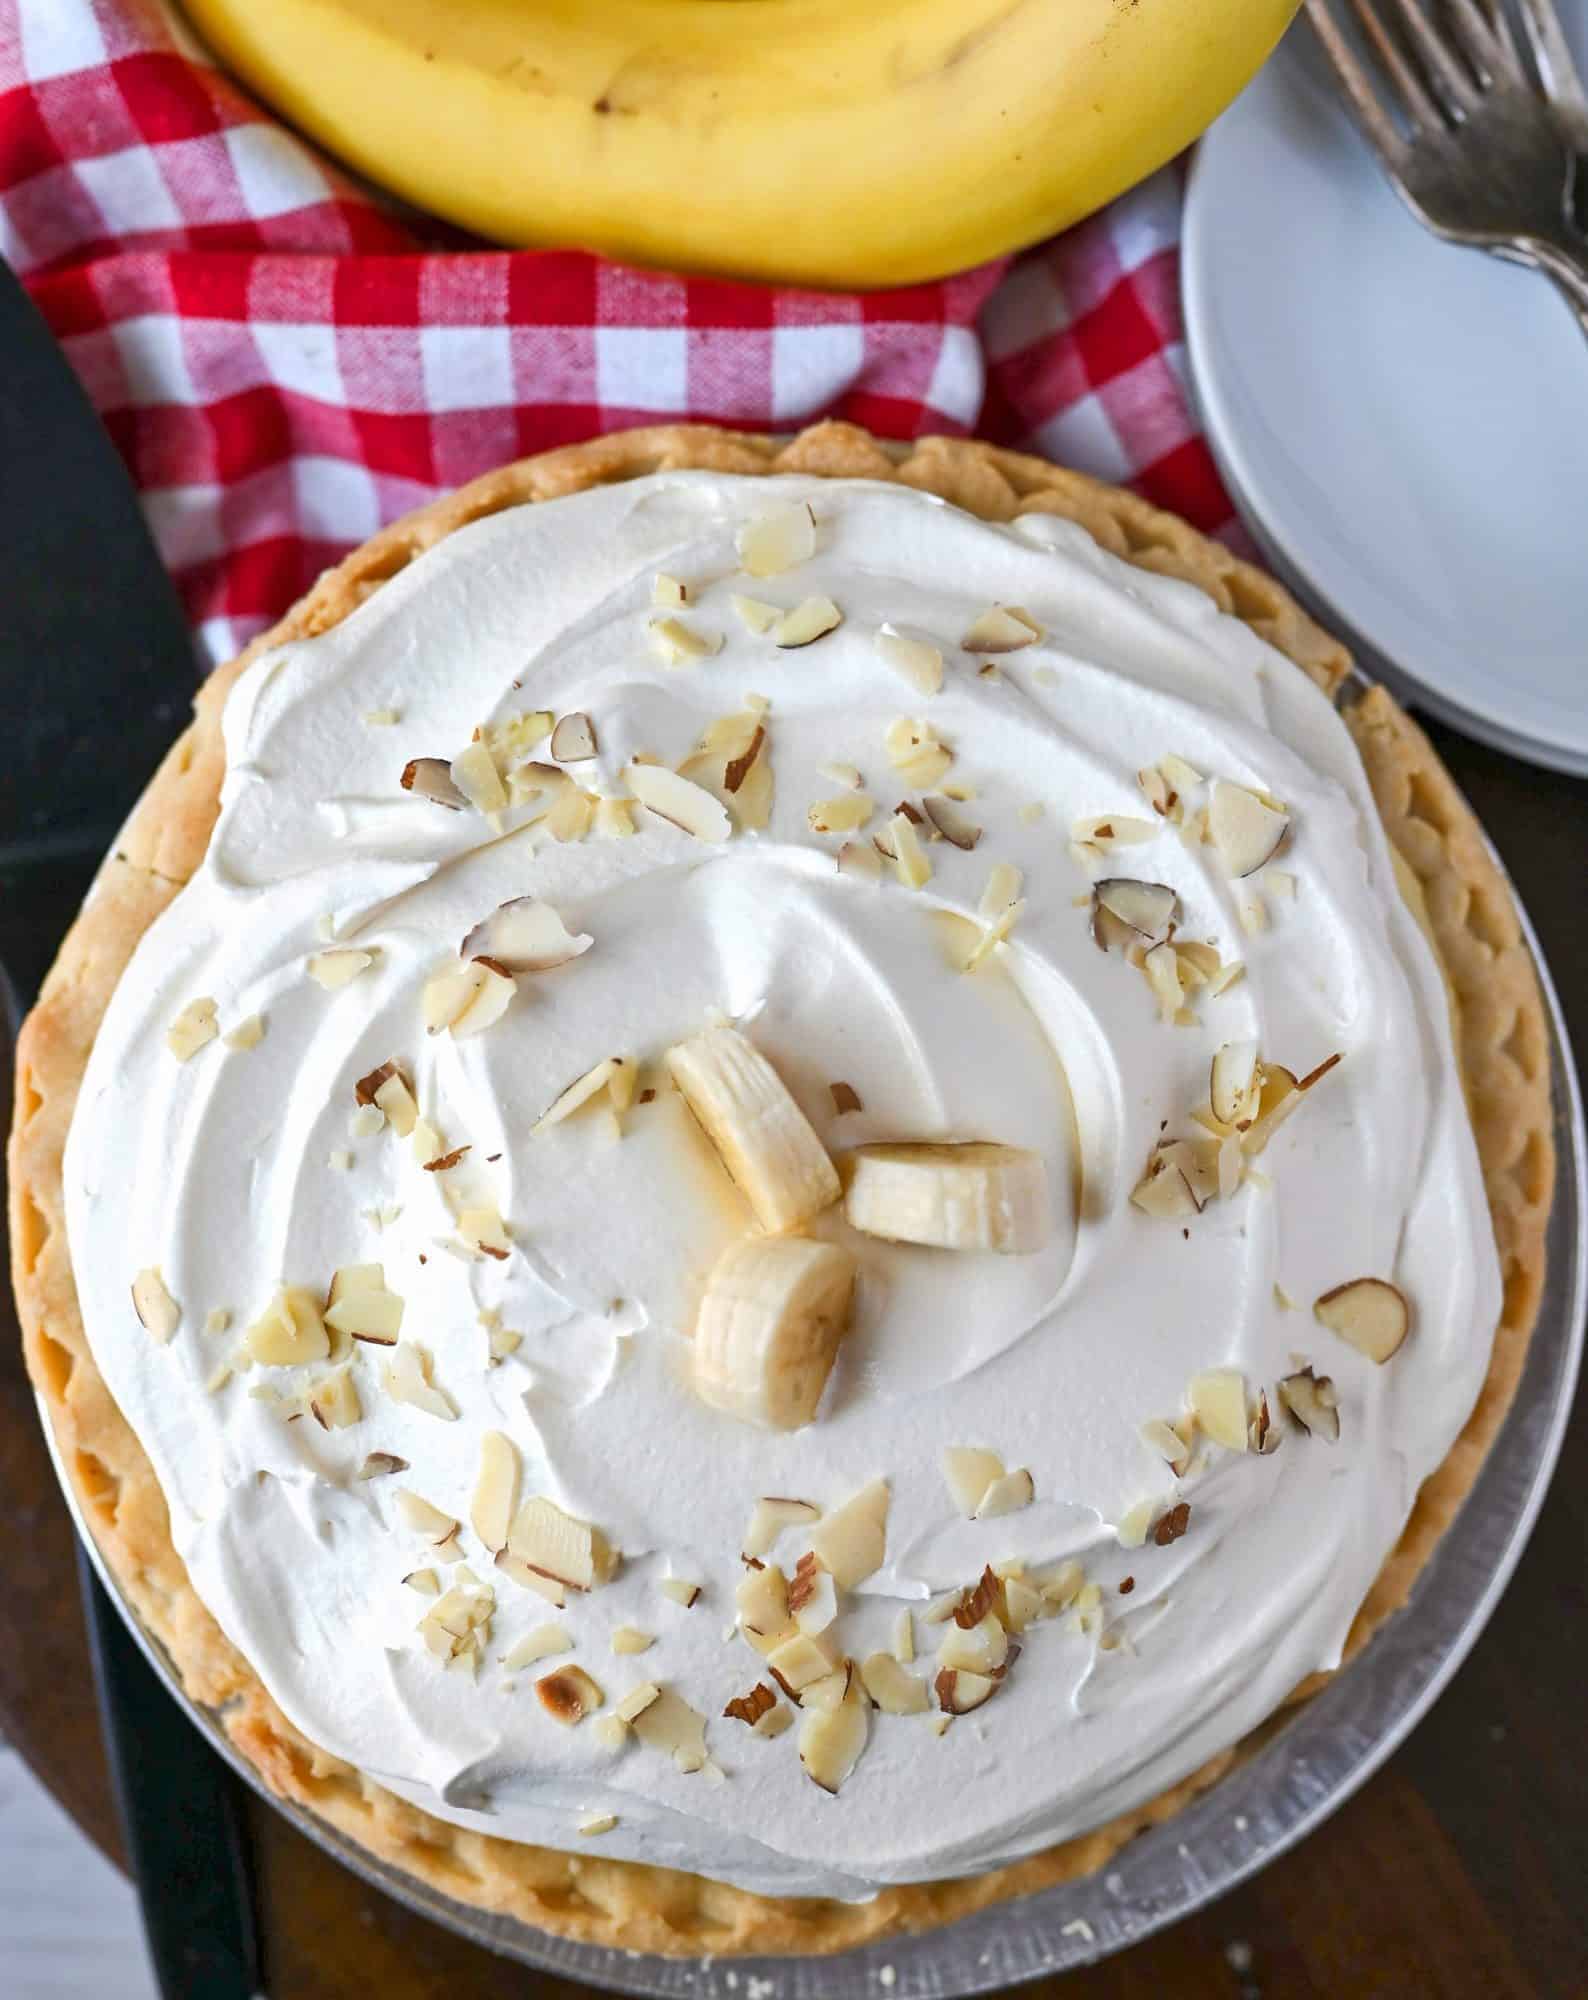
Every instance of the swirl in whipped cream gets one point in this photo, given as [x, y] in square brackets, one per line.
[227, 1172]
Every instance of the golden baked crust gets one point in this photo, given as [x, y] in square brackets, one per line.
[1502, 1041]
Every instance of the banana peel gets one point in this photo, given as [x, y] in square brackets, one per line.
[814, 142]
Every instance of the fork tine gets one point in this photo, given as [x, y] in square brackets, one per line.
[1450, 79]
[1418, 105]
[1485, 41]
[1376, 125]
[1557, 73]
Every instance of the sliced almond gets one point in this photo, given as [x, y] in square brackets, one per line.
[810, 620]
[248, 1034]
[474, 773]
[531, 1579]
[857, 859]
[981, 1648]
[196, 1025]
[289, 1331]
[770, 1517]
[424, 1518]
[560, 1545]
[755, 615]
[629, 1639]
[574, 739]
[1114, 830]
[909, 857]
[1311, 1400]
[637, 1700]
[602, 1076]
[668, 1723]
[667, 593]
[1007, 1495]
[831, 1690]
[851, 1540]
[1234, 1086]
[681, 802]
[405, 1375]
[380, 1465]
[750, 1708]
[426, 1581]
[1170, 1444]
[528, 783]
[333, 970]
[968, 1472]
[1246, 831]
[904, 1638]
[1172, 1525]
[803, 1659]
[1217, 1398]
[1141, 912]
[569, 1695]
[959, 1691]
[831, 1741]
[679, 1589]
[917, 661]
[775, 1721]
[846, 814]
[1002, 629]
[430, 778]
[334, 1403]
[610, 1731]
[680, 645]
[1162, 969]
[1370, 1313]
[1263, 1435]
[1001, 892]
[614, 819]
[359, 1305]
[483, 1229]
[1165, 1190]
[952, 826]
[571, 815]
[813, 1599]
[776, 541]
[916, 753]
[495, 1489]
[763, 1613]
[597, 1823]
[154, 1305]
[524, 935]
[466, 997]
[388, 1090]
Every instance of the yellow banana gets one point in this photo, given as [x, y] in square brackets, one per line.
[818, 142]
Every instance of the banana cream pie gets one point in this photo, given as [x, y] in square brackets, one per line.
[748, 1205]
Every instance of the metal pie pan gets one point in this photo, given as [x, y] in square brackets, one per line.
[1307, 1766]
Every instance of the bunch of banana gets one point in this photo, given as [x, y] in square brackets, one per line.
[810, 141]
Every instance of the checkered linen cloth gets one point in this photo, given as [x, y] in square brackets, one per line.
[286, 363]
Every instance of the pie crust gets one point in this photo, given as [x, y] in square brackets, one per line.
[1502, 1041]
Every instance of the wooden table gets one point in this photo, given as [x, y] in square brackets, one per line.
[1461, 1869]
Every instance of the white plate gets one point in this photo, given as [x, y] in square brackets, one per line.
[1403, 423]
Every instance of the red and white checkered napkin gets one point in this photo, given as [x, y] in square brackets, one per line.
[286, 364]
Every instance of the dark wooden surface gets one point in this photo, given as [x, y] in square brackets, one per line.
[1461, 1869]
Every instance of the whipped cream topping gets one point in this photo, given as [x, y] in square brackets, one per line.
[229, 1173]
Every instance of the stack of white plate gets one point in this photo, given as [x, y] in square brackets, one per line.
[1402, 423]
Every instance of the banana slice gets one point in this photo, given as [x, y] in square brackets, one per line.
[765, 1140]
[774, 1312]
[978, 1196]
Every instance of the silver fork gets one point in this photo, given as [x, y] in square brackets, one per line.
[1491, 138]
